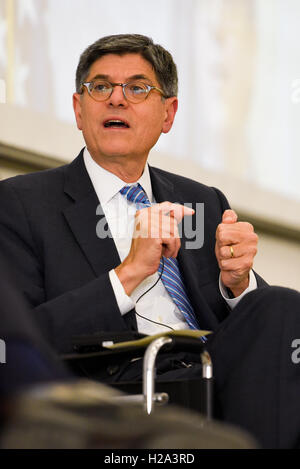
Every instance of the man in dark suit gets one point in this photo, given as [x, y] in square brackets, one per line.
[81, 271]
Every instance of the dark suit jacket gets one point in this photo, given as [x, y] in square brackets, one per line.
[48, 235]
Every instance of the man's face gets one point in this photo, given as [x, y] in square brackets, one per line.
[146, 120]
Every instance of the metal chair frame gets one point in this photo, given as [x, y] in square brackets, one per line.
[149, 398]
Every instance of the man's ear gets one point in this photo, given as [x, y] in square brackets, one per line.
[77, 109]
[171, 109]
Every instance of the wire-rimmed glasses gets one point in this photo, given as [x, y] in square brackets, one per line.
[134, 91]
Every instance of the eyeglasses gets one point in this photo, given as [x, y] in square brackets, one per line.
[134, 92]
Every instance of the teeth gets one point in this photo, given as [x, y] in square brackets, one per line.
[115, 121]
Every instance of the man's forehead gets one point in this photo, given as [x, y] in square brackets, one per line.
[128, 65]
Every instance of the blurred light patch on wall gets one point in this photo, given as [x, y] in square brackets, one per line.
[2, 91]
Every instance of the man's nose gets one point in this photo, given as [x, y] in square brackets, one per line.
[117, 97]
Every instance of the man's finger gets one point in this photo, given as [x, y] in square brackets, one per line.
[170, 249]
[229, 216]
[177, 211]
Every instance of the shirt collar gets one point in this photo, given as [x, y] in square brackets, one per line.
[107, 184]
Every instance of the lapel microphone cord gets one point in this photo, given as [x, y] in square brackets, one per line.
[147, 291]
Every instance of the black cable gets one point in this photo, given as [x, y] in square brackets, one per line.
[147, 291]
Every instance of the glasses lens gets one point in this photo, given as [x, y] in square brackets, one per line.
[136, 91]
[100, 90]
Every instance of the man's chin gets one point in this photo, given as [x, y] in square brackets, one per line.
[117, 154]
[110, 154]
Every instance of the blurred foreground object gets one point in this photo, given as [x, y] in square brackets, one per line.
[87, 415]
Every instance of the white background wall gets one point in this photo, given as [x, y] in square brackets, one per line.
[278, 261]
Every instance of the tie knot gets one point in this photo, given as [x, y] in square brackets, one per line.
[135, 194]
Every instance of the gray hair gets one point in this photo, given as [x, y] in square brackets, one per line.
[161, 60]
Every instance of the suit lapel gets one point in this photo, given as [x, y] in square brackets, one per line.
[82, 219]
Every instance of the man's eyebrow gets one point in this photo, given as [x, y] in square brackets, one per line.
[138, 77]
[131, 78]
[100, 77]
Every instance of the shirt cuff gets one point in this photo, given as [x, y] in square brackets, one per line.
[124, 301]
[232, 302]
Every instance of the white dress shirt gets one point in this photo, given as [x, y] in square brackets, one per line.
[156, 305]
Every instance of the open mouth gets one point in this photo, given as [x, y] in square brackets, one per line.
[116, 124]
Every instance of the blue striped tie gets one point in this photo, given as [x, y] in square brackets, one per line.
[171, 277]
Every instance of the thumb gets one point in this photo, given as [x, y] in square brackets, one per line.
[229, 216]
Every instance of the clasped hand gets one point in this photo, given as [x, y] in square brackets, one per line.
[156, 235]
[236, 247]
